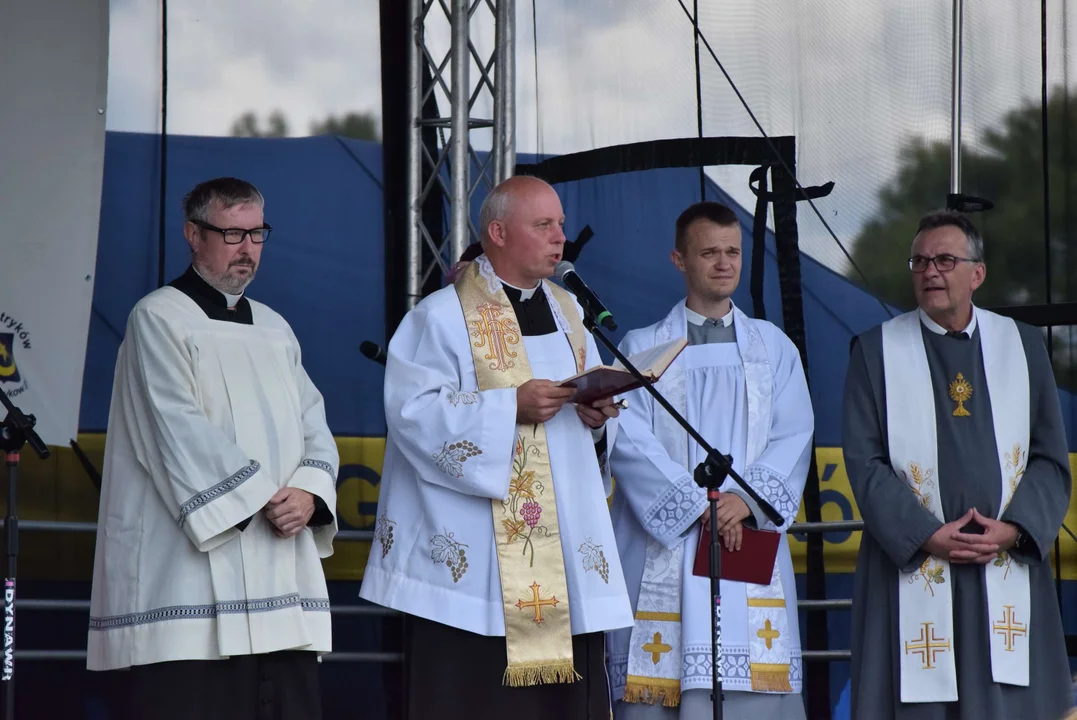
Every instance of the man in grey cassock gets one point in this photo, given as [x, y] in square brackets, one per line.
[957, 457]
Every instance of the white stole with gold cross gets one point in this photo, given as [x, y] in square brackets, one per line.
[656, 647]
[926, 642]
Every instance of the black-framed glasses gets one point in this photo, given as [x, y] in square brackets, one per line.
[943, 263]
[234, 236]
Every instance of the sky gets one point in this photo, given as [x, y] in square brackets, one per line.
[854, 81]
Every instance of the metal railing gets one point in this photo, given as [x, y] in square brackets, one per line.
[70, 605]
[44, 605]
[828, 604]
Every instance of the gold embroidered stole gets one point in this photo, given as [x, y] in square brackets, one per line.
[538, 633]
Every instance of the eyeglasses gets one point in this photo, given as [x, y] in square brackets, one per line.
[943, 263]
[234, 236]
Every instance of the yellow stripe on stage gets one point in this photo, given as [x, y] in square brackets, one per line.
[59, 489]
[656, 682]
[766, 602]
[770, 667]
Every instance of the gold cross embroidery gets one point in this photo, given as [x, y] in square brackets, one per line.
[656, 648]
[535, 603]
[495, 333]
[1009, 628]
[960, 392]
[927, 645]
[768, 634]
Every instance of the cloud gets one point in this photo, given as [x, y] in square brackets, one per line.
[627, 75]
[307, 60]
[852, 80]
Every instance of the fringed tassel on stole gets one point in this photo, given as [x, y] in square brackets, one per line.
[653, 690]
[770, 678]
[527, 674]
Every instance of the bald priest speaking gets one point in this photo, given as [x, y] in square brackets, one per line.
[493, 535]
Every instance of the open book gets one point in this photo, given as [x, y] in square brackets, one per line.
[603, 381]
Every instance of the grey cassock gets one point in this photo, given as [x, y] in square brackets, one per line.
[896, 526]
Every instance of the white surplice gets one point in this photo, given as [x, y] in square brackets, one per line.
[435, 499]
[209, 419]
[652, 461]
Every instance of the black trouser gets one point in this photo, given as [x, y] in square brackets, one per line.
[457, 675]
[273, 686]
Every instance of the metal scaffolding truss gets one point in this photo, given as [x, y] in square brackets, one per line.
[468, 80]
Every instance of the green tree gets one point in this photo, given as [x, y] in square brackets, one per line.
[361, 126]
[1008, 170]
[247, 125]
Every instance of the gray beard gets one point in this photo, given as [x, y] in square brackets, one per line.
[227, 284]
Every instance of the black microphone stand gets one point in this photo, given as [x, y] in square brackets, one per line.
[709, 474]
[16, 430]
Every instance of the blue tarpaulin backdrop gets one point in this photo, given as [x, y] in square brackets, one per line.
[323, 268]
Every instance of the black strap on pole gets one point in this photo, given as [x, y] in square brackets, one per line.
[787, 248]
[1046, 161]
[757, 183]
[759, 239]
[699, 96]
[395, 35]
[164, 148]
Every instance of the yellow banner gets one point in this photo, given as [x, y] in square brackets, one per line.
[59, 489]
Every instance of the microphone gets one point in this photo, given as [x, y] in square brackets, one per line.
[592, 306]
[373, 351]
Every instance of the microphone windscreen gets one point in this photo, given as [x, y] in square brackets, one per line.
[369, 349]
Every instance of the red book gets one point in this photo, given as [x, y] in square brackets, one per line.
[753, 563]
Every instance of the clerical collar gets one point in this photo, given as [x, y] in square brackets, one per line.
[521, 293]
[697, 319]
[940, 330]
[212, 301]
[230, 300]
[533, 312]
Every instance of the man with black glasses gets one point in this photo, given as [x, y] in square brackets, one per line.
[957, 457]
[219, 492]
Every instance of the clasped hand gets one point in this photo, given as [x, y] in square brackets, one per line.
[539, 400]
[290, 509]
[949, 543]
[732, 512]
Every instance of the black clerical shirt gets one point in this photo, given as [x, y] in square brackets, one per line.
[533, 314]
[212, 301]
[535, 317]
[215, 305]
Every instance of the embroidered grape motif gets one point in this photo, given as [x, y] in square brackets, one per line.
[468, 448]
[388, 544]
[531, 511]
[460, 567]
[451, 552]
[595, 559]
[384, 534]
[452, 457]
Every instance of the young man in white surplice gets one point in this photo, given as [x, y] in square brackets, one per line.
[740, 383]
